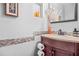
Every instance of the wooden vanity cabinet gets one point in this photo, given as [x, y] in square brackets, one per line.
[59, 48]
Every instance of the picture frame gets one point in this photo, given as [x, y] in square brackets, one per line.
[11, 9]
[37, 10]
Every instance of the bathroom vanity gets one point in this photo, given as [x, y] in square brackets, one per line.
[60, 45]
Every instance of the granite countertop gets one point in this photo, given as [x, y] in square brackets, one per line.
[66, 38]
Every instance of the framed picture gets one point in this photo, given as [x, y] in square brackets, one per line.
[12, 9]
[37, 10]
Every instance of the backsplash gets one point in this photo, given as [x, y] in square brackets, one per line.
[39, 33]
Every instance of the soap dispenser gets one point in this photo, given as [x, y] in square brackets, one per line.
[75, 32]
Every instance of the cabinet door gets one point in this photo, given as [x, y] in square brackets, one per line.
[48, 51]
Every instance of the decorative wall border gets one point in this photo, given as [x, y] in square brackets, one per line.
[8, 42]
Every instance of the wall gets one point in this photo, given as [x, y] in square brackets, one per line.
[23, 49]
[17, 27]
[22, 26]
[66, 26]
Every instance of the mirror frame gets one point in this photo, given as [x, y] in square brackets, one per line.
[75, 19]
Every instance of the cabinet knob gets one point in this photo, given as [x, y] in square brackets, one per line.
[53, 52]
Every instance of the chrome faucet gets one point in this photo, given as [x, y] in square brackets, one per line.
[60, 32]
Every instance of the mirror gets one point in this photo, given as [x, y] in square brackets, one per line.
[63, 12]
